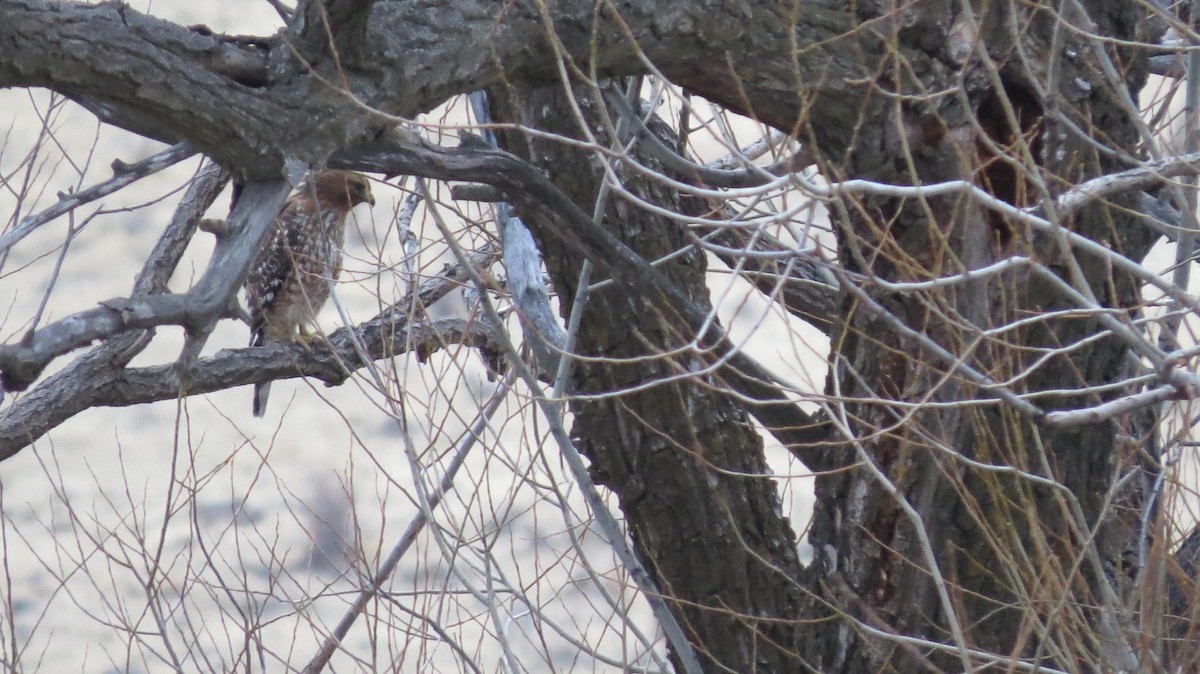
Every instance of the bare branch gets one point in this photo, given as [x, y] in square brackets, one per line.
[1147, 175]
[173, 84]
[31, 417]
[522, 263]
[124, 175]
[210, 299]
[95, 382]
[1168, 65]
[656, 140]
[65, 394]
[1114, 408]
[524, 185]
[798, 281]
[388, 566]
[799, 284]
[143, 74]
[282, 10]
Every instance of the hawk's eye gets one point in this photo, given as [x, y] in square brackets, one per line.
[362, 191]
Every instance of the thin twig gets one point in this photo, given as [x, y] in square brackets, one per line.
[609, 526]
[381, 576]
[125, 174]
[78, 388]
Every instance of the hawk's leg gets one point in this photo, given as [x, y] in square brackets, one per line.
[308, 339]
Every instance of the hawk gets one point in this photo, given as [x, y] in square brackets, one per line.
[289, 281]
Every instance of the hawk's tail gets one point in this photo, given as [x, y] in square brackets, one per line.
[261, 391]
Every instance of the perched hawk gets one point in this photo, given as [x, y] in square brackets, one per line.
[288, 283]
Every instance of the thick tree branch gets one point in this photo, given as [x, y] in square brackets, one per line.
[21, 364]
[657, 140]
[1150, 174]
[95, 382]
[332, 363]
[798, 283]
[57, 396]
[542, 328]
[331, 29]
[174, 84]
[524, 185]
[143, 74]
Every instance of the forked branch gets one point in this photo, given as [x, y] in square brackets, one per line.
[388, 334]
[211, 298]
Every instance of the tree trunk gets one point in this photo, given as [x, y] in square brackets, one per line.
[683, 458]
[938, 539]
[927, 501]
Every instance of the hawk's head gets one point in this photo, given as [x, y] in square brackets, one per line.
[341, 189]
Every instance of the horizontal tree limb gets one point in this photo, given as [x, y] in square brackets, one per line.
[389, 333]
[241, 101]
[332, 362]
[210, 298]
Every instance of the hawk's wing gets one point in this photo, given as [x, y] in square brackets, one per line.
[275, 264]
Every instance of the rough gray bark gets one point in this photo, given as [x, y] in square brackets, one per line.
[251, 105]
[684, 461]
[995, 535]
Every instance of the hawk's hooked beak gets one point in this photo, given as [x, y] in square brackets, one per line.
[367, 196]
